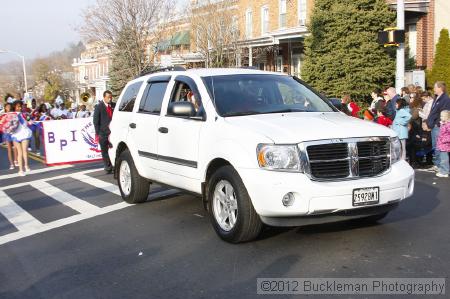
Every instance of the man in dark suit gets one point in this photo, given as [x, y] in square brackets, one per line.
[391, 104]
[441, 103]
[102, 117]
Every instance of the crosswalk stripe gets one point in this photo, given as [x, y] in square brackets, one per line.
[96, 183]
[47, 179]
[20, 218]
[65, 198]
[31, 230]
[35, 171]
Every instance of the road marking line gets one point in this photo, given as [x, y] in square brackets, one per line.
[20, 218]
[96, 183]
[31, 230]
[63, 197]
[48, 179]
[40, 170]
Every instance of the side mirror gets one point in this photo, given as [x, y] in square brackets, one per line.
[183, 109]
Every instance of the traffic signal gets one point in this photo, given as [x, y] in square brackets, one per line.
[391, 37]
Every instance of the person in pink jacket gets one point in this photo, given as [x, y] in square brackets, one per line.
[443, 143]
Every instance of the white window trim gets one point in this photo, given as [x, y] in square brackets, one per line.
[263, 8]
[279, 14]
[299, 12]
[248, 31]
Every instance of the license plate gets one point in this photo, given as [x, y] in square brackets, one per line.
[366, 196]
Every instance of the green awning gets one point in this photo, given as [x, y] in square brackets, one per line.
[180, 38]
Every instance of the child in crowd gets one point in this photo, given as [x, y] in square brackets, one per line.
[383, 119]
[400, 123]
[443, 144]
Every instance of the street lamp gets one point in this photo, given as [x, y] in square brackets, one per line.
[23, 65]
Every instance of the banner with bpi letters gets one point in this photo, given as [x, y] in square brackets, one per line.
[70, 141]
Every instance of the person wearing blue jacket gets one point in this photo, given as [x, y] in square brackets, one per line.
[401, 121]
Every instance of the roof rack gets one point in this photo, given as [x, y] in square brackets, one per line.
[150, 70]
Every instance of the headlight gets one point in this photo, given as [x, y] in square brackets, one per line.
[278, 157]
[396, 150]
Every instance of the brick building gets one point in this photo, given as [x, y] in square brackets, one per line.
[91, 70]
[272, 33]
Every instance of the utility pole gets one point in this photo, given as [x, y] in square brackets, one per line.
[400, 69]
[23, 66]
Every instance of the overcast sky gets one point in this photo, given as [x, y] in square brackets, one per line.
[38, 27]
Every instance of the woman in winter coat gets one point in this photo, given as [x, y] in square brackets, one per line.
[400, 123]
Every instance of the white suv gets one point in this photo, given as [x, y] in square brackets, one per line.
[259, 147]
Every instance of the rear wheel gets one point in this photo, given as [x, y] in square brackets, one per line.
[231, 211]
[133, 187]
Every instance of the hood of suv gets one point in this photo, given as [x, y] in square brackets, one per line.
[291, 128]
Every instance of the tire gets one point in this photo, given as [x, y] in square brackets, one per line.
[246, 223]
[133, 188]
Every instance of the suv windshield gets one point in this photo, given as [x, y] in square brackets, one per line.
[236, 95]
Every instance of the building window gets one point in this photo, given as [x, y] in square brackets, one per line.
[279, 63]
[412, 40]
[283, 19]
[264, 20]
[235, 27]
[248, 23]
[302, 9]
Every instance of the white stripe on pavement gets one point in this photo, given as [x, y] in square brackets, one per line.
[16, 215]
[31, 230]
[40, 170]
[48, 179]
[96, 183]
[63, 197]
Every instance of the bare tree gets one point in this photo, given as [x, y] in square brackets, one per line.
[141, 20]
[214, 26]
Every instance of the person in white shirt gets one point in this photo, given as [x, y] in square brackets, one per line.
[54, 111]
[62, 112]
[82, 112]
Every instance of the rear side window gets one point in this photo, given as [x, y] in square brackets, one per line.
[129, 97]
[154, 96]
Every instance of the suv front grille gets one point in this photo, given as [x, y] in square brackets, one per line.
[350, 158]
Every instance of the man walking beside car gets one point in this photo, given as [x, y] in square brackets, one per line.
[102, 117]
[441, 103]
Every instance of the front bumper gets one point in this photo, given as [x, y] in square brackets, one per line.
[327, 218]
[267, 188]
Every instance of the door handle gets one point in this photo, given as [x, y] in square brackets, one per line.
[163, 130]
[133, 125]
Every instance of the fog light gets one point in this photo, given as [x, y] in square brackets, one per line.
[288, 199]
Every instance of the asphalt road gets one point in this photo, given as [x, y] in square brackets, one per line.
[76, 239]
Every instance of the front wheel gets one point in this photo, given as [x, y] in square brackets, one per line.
[133, 187]
[231, 211]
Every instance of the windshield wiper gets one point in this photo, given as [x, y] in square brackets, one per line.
[241, 113]
[286, 110]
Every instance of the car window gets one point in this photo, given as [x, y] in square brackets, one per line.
[235, 95]
[129, 97]
[183, 92]
[154, 97]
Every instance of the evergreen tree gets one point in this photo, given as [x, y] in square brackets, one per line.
[126, 61]
[441, 65]
[342, 52]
